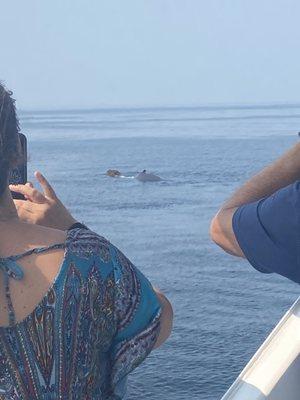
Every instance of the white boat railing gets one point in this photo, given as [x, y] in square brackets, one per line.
[273, 373]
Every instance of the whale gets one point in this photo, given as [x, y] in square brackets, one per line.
[147, 177]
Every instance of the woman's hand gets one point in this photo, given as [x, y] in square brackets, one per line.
[42, 208]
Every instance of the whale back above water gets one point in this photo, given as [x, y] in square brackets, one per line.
[147, 177]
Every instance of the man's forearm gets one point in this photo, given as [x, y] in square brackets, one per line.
[279, 174]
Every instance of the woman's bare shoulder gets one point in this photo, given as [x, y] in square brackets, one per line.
[44, 236]
[20, 237]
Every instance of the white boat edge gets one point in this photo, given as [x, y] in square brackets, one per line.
[273, 373]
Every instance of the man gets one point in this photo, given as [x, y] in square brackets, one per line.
[261, 220]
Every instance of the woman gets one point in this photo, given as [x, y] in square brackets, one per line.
[76, 316]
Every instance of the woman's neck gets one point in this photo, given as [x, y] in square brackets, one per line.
[8, 211]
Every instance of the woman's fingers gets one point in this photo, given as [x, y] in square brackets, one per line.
[24, 205]
[29, 192]
[42, 209]
[26, 211]
[47, 188]
[30, 185]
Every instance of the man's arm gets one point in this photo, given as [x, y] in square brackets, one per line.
[279, 174]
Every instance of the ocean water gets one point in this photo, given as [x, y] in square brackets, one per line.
[223, 308]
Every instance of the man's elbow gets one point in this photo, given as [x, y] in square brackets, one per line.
[215, 231]
[222, 234]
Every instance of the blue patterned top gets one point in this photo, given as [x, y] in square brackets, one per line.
[96, 323]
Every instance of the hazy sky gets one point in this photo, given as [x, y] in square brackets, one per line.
[94, 53]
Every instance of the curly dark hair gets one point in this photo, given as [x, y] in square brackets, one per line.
[10, 153]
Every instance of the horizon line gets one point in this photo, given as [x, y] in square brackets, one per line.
[204, 106]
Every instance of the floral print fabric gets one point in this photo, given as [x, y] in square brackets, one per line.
[97, 322]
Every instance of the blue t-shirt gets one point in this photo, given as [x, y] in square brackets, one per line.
[268, 232]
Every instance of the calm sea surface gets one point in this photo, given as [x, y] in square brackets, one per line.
[223, 308]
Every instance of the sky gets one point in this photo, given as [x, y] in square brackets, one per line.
[124, 53]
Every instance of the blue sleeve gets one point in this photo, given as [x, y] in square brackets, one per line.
[268, 232]
[137, 313]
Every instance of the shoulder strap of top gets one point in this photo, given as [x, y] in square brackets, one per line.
[11, 269]
[36, 250]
